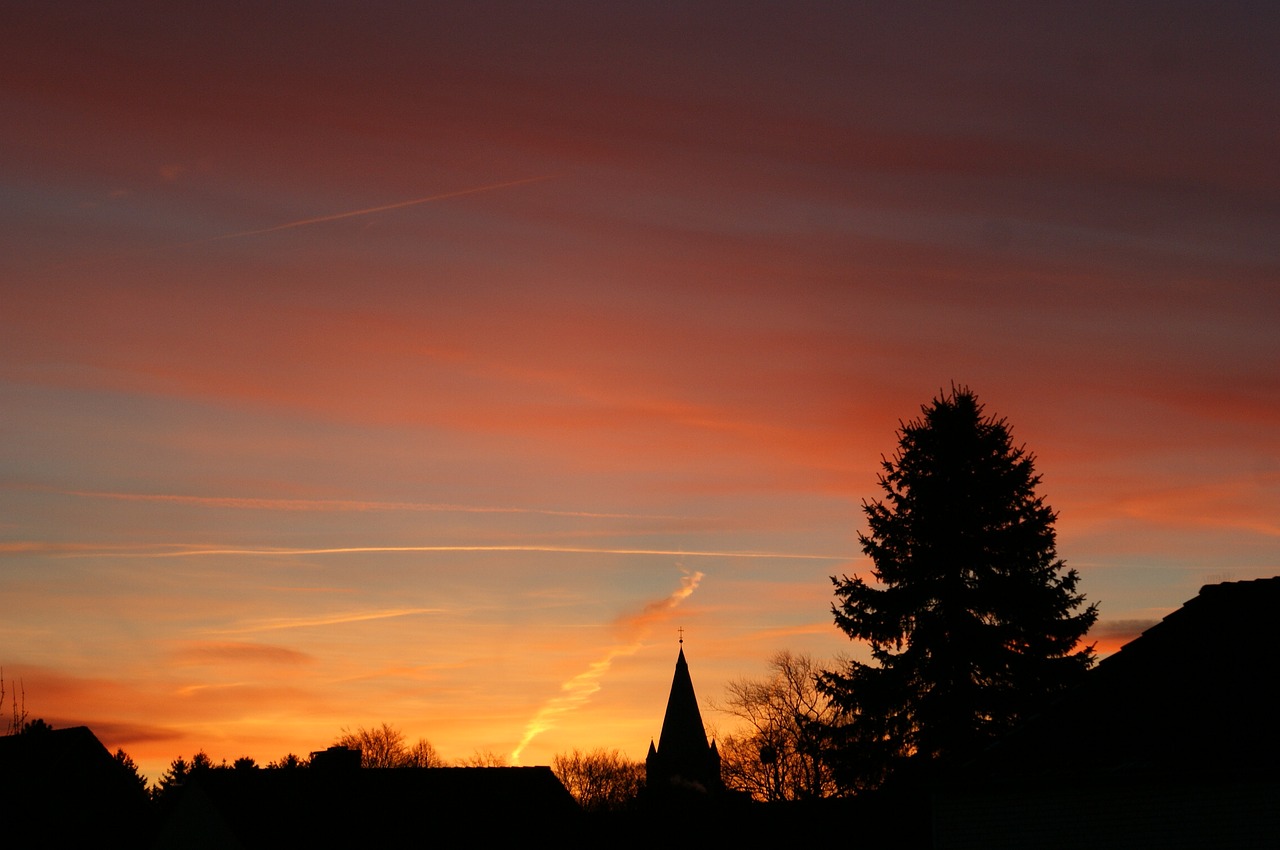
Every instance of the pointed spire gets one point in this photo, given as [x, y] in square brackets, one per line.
[682, 727]
[683, 756]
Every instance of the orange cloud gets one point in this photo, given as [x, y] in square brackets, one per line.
[236, 653]
[1110, 635]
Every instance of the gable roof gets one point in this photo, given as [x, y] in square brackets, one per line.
[1188, 698]
[366, 806]
[67, 781]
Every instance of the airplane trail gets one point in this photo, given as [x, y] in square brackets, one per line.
[328, 620]
[475, 190]
[196, 551]
[303, 222]
[300, 505]
[580, 688]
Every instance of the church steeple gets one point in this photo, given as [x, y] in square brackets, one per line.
[683, 760]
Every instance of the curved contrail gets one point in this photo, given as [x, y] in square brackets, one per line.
[580, 688]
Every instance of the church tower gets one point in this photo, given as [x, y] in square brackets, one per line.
[682, 763]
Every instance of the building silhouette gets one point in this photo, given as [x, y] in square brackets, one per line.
[64, 788]
[341, 806]
[683, 764]
[1171, 742]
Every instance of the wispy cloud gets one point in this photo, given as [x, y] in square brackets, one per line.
[1110, 635]
[335, 619]
[577, 690]
[353, 505]
[236, 652]
[192, 551]
[174, 172]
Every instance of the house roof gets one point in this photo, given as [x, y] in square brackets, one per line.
[69, 783]
[1190, 696]
[367, 806]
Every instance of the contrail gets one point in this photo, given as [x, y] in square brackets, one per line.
[196, 551]
[303, 222]
[583, 686]
[328, 620]
[252, 503]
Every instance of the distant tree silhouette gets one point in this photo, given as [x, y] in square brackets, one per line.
[244, 763]
[172, 779]
[130, 767]
[484, 758]
[601, 780]
[288, 762]
[975, 620]
[179, 772]
[384, 746]
[380, 746]
[35, 727]
[422, 754]
[779, 753]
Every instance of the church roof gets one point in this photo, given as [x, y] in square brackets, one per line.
[682, 729]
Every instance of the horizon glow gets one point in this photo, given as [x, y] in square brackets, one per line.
[284, 455]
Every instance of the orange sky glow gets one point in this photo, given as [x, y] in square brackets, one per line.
[434, 365]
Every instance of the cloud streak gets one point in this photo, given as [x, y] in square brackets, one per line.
[443, 196]
[238, 653]
[326, 620]
[183, 551]
[351, 505]
[578, 690]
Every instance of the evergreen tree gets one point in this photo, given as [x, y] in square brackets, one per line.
[975, 619]
[289, 762]
[130, 768]
[171, 780]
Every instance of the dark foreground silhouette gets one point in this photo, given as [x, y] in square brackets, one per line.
[1174, 743]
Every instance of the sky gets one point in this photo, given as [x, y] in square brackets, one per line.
[396, 362]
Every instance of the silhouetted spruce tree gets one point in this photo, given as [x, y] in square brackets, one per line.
[130, 768]
[171, 780]
[975, 620]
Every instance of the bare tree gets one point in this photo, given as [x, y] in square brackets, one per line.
[380, 746]
[19, 700]
[484, 758]
[601, 780]
[384, 746]
[777, 751]
[422, 754]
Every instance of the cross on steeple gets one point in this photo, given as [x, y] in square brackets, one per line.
[682, 759]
